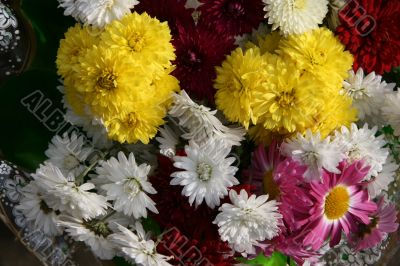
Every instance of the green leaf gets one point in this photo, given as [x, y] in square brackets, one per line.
[25, 132]
[276, 259]
[149, 224]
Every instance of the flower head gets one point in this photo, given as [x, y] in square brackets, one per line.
[145, 39]
[97, 12]
[33, 205]
[375, 41]
[138, 122]
[76, 42]
[233, 17]
[361, 144]
[65, 195]
[136, 247]
[263, 162]
[207, 172]
[248, 221]
[94, 233]
[108, 80]
[287, 102]
[198, 51]
[320, 54]
[201, 122]
[295, 16]
[368, 93]
[383, 221]
[315, 153]
[69, 153]
[127, 185]
[339, 203]
[239, 77]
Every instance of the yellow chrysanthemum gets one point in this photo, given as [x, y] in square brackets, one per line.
[239, 77]
[109, 80]
[288, 100]
[140, 122]
[145, 38]
[320, 54]
[77, 41]
[164, 87]
[337, 111]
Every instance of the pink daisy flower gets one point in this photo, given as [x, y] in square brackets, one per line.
[383, 221]
[282, 179]
[263, 162]
[340, 202]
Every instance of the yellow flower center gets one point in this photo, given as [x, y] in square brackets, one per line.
[204, 171]
[270, 187]
[132, 187]
[131, 120]
[286, 98]
[299, 4]
[107, 81]
[318, 58]
[337, 203]
[136, 42]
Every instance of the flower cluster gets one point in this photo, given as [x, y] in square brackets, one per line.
[120, 75]
[288, 143]
[283, 85]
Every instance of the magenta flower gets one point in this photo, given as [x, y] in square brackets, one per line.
[383, 221]
[340, 203]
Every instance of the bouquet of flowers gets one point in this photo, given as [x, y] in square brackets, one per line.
[224, 132]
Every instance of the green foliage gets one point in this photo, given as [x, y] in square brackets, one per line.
[24, 137]
[276, 259]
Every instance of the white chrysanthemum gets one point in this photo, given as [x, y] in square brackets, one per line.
[207, 172]
[315, 153]
[168, 141]
[35, 209]
[361, 144]
[381, 182]
[201, 123]
[97, 12]
[247, 221]
[71, 8]
[391, 111]
[94, 233]
[295, 16]
[69, 153]
[64, 195]
[368, 94]
[127, 185]
[137, 248]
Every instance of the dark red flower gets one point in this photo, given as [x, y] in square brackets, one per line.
[189, 251]
[172, 11]
[198, 51]
[370, 29]
[233, 17]
[189, 234]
